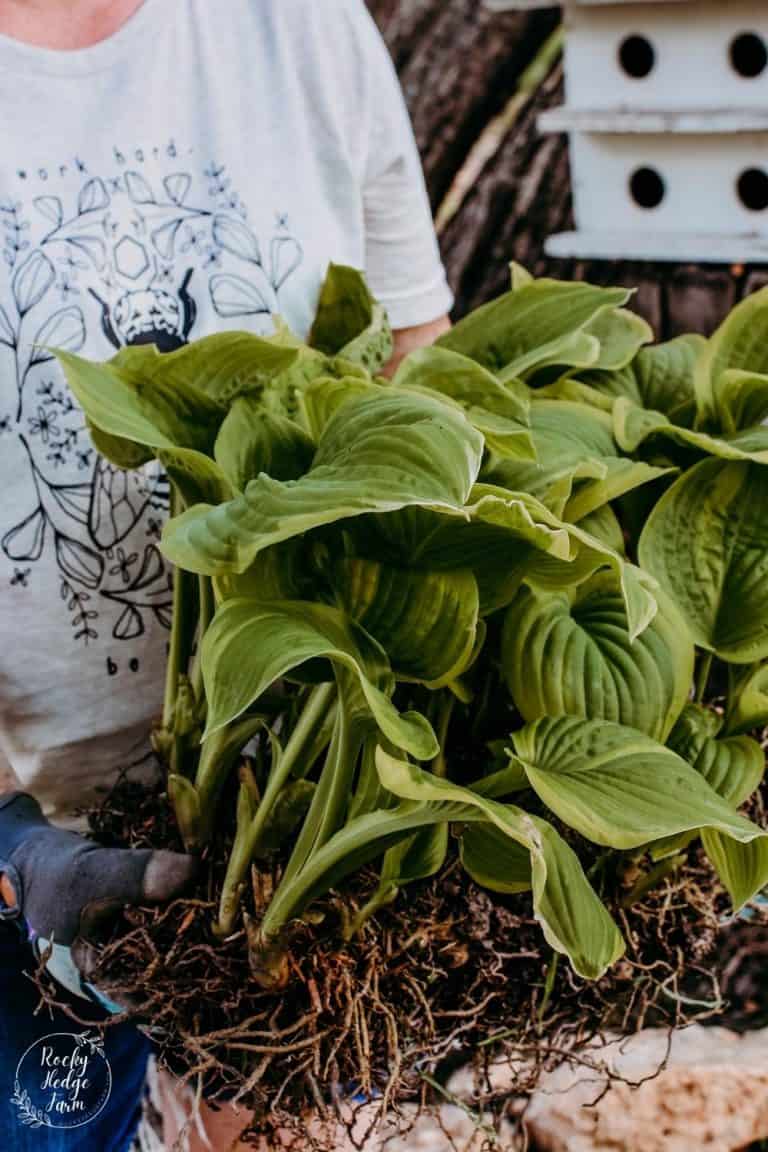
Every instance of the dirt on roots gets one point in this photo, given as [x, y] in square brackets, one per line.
[447, 976]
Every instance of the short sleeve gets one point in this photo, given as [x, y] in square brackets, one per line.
[402, 257]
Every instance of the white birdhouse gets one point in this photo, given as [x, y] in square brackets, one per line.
[667, 115]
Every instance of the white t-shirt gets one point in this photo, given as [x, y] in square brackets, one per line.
[195, 172]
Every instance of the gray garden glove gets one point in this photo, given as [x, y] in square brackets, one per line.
[67, 888]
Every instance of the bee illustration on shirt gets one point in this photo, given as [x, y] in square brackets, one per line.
[149, 316]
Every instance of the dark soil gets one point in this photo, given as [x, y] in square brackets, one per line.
[449, 975]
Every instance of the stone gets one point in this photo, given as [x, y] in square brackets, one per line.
[697, 1088]
[694, 1090]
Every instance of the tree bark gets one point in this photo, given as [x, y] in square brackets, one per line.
[458, 64]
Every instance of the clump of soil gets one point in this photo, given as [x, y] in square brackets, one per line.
[448, 975]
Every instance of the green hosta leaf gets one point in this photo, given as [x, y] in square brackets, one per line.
[290, 809]
[249, 645]
[576, 350]
[498, 411]
[493, 860]
[577, 468]
[322, 398]
[569, 654]
[589, 555]
[122, 453]
[151, 413]
[505, 439]
[196, 476]
[636, 428]
[368, 794]
[174, 400]
[747, 699]
[621, 476]
[571, 441]
[461, 379]
[425, 621]
[743, 868]
[742, 400]
[504, 781]
[660, 378]
[349, 322]
[519, 276]
[417, 858]
[285, 395]
[567, 907]
[706, 542]
[553, 485]
[251, 441]
[603, 524]
[280, 573]
[359, 841]
[495, 537]
[538, 323]
[741, 344]
[618, 787]
[620, 334]
[575, 391]
[506, 538]
[564, 430]
[223, 365]
[733, 766]
[379, 453]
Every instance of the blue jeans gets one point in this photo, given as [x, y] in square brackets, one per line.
[42, 1085]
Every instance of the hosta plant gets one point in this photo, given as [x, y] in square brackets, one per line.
[476, 608]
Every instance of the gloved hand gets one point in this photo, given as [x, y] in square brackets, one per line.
[67, 887]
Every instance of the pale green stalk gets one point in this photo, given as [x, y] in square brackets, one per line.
[249, 833]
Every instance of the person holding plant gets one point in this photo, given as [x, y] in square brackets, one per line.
[170, 169]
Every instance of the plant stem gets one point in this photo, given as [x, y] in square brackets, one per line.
[207, 607]
[549, 986]
[702, 677]
[311, 718]
[182, 631]
[332, 792]
[173, 667]
[651, 879]
[384, 894]
[439, 765]
[217, 759]
[351, 847]
[248, 835]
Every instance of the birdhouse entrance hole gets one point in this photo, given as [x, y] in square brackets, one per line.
[749, 55]
[637, 56]
[647, 187]
[753, 189]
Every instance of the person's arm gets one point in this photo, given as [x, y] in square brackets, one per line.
[402, 258]
[407, 340]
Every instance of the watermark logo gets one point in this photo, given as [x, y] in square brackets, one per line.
[63, 1080]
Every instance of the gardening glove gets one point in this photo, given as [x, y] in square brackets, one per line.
[68, 889]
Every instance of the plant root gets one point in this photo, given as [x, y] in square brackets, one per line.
[448, 977]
